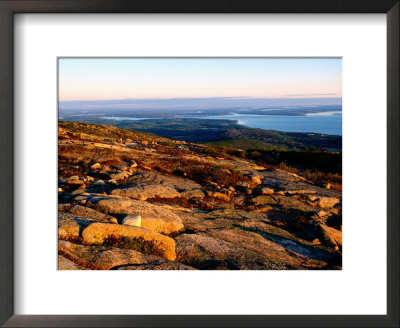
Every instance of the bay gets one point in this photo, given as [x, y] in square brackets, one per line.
[317, 123]
[326, 123]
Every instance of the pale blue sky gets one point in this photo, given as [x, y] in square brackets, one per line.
[121, 78]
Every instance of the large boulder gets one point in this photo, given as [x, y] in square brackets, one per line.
[154, 217]
[161, 224]
[148, 191]
[113, 204]
[137, 238]
[89, 212]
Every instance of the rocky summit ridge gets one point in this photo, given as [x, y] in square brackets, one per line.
[130, 200]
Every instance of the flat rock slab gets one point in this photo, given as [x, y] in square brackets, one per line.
[300, 192]
[265, 200]
[103, 257]
[194, 193]
[156, 266]
[65, 264]
[89, 212]
[153, 178]
[280, 180]
[147, 191]
[211, 252]
[268, 249]
[203, 221]
[205, 252]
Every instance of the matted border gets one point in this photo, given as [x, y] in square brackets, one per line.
[7, 10]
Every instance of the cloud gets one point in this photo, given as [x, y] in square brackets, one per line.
[311, 94]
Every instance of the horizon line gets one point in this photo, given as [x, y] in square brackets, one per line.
[323, 96]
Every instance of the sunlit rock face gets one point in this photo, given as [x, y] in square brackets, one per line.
[135, 201]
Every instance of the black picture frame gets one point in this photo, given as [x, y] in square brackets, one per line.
[10, 7]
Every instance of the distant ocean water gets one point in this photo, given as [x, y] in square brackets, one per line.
[119, 118]
[327, 122]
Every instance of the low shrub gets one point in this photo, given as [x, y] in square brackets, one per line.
[137, 244]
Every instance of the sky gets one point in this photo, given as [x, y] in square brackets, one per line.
[158, 78]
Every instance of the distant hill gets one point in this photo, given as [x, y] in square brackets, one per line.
[226, 133]
[106, 131]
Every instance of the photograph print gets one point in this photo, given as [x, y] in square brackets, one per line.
[199, 163]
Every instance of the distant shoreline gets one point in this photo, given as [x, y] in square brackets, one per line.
[323, 123]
